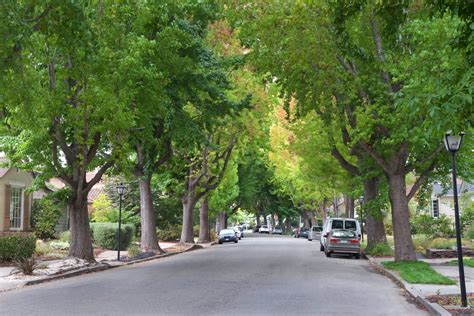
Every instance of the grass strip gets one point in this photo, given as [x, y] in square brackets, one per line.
[467, 262]
[418, 272]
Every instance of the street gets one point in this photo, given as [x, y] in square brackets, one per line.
[257, 276]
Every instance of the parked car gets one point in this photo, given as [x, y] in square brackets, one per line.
[338, 223]
[277, 230]
[343, 241]
[264, 229]
[315, 233]
[239, 233]
[227, 235]
[302, 232]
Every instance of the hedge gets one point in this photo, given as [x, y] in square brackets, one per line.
[15, 247]
[105, 235]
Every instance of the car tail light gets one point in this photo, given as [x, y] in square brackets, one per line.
[354, 241]
[334, 240]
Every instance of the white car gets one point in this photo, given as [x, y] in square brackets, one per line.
[238, 233]
[277, 231]
[315, 233]
[338, 223]
[264, 229]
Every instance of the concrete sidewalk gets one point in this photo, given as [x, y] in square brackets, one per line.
[442, 267]
[111, 255]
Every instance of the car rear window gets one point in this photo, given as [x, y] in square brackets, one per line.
[343, 234]
[350, 225]
[317, 229]
[337, 224]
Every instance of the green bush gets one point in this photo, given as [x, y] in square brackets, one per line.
[133, 251]
[380, 250]
[421, 243]
[65, 236]
[170, 233]
[196, 230]
[469, 232]
[46, 214]
[432, 227]
[104, 212]
[16, 247]
[442, 243]
[105, 235]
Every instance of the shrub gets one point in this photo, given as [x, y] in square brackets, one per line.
[171, 233]
[432, 227]
[196, 230]
[442, 243]
[105, 235]
[104, 212]
[133, 251]
[469, 232]
[380, 250]
[46, 215]
[65, 236]
[421, 243]
[15, 247]
[26, 265]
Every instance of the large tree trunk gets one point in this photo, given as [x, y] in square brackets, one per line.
[204, 221]
[189, 201]
[306, 219]
[349, 206]
[288, 225]
[221, 219]
[272, 216]
[149, 239]
[81, 243]
[404, 249]
[373, 217]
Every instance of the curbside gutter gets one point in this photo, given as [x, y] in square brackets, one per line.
[433, 308]
[105, 266]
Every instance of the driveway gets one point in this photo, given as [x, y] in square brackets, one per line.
[257, 276]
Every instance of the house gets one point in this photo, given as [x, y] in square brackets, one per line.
[15, 202]
[442, 200]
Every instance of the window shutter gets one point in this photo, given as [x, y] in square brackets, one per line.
[6, 215]
[26, 212]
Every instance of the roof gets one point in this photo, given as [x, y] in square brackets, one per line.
[462, 186]
[3, 171]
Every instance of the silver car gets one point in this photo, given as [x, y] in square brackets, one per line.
[342, 241]
[315, 233]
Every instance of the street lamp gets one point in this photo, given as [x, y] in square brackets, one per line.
[361, 201]
[120, 190]
[452, 144]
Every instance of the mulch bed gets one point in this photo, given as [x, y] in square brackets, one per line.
[452, 303]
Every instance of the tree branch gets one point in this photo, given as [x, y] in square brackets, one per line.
[98, 175]
[378, 159]
[344, 163]
[420, 180]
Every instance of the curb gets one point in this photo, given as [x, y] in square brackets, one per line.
[433, 308]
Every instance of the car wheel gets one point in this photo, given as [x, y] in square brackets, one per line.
[240, 238]
[321, 247]
[220, 242]
[328, 254]
[357, 256]
[236, 241]
[310, 239]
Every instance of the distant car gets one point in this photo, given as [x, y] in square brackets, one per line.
[264, 229]
[239, 233]
[302, 232]
[227, 235]
[277, 231]
[343, 241]
[315, 233]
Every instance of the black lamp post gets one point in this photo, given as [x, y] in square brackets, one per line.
[120, 190]
[361, 201]
[453, 143]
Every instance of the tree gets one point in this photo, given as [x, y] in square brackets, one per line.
[58, 68]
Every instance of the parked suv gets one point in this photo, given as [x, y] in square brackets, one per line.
[338, 223]
[315, 233]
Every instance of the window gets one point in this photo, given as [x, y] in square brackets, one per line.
[343, 234]
[317, 228]
[435, 208]
[16, 208]
[351, 225]
[337, 224]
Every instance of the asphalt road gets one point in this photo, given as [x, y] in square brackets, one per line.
[257, 276]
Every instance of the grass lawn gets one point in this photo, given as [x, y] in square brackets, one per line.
[418, 272]
[467, 262]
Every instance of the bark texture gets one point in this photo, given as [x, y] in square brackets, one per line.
[149, 238]
[189, 201]
[404, 249]
[81, 243]
[374, 219]
[204, 236]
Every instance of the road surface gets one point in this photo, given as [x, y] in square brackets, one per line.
[257, 276]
